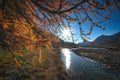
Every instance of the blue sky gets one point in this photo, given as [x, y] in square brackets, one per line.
[112, 27]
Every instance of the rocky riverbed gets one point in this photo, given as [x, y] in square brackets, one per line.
[110, 58]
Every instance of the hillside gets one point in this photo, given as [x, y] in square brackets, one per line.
[111, 41]
[68, 44]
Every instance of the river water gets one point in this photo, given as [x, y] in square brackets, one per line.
[80, 68]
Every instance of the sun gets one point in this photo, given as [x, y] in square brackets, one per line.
[66, 32]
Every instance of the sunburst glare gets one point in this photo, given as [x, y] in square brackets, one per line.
[66, 33]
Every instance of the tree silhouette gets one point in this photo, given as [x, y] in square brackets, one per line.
[25, 24]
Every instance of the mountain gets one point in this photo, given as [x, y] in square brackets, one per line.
[85, 44]
[109, 41]
[68, 44]
[112, 41]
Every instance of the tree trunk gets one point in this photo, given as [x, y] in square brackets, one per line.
[15, 59]
[40, 54]
[34, 57]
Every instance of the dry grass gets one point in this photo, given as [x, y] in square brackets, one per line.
[50, 69]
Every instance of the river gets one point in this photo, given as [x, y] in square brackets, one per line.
[80, 68]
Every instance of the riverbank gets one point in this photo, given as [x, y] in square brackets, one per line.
[51, 69]
[110, 58]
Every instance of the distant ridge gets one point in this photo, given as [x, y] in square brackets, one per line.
[103, 40]
[111, 41]
[68, 44]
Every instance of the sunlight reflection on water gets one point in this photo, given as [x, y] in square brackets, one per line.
[67, 53]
